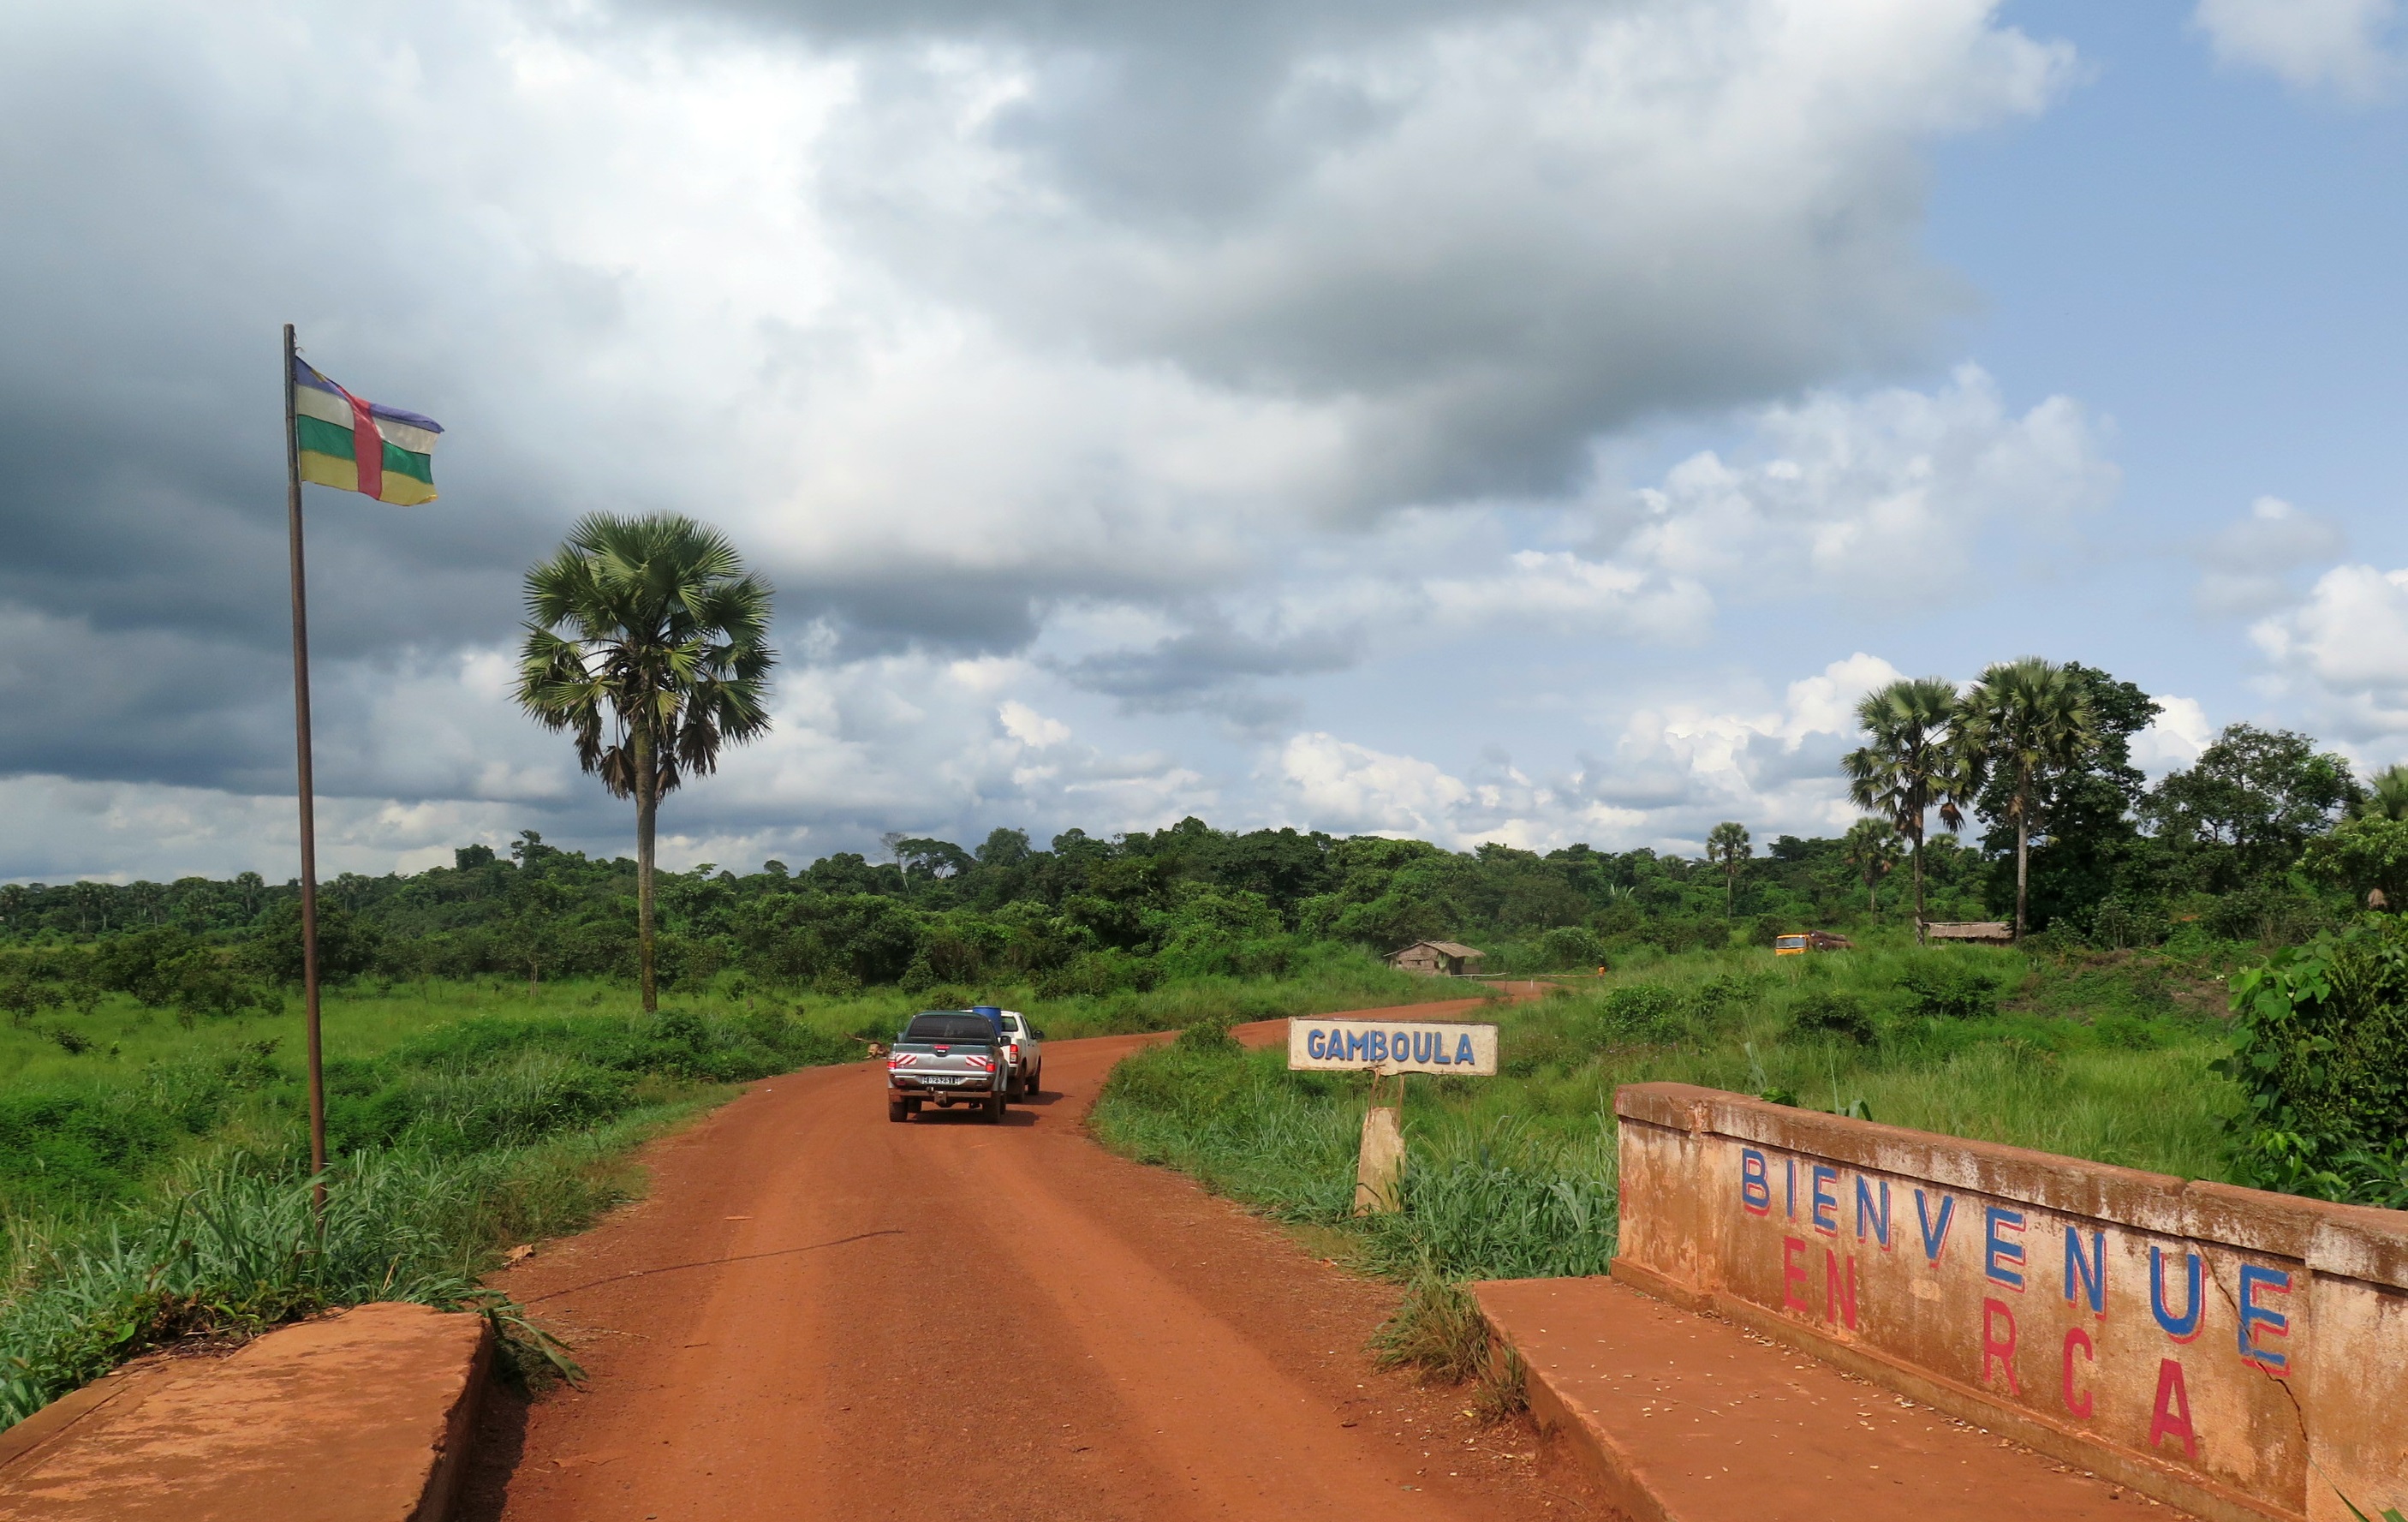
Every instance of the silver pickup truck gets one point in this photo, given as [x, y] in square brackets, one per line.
[950, 1057]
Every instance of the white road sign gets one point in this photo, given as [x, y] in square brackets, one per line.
[1393, 1046]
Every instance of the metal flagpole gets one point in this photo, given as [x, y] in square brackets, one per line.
[307, 791]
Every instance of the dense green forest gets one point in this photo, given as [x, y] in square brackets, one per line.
[492, 1064]
[2266, 840]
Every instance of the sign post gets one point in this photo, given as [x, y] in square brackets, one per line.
[1383, 1048]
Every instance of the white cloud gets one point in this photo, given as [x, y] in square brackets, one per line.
[1356, 789]
[2344, 650]
[1675, 769]
[2337, 45]
[1888, 495]
[1030, 727]
[2247, 567]
[1034, 357]
[2174, 738]
[63, 828]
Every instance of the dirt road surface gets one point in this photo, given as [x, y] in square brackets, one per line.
[816, 1314]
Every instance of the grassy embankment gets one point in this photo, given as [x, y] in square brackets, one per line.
[2097, 1056]
[154, 1182]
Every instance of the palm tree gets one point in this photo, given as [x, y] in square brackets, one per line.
[647, 640]
[2387, 797]
[1912, 766]
[2024, 720]
[1727, 846]
[1871, 847]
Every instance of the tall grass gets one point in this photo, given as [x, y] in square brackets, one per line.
[1479, 1201]
[234, 1245]
[1514, 1176]
[155, 1186]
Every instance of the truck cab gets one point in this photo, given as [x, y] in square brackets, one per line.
[948, 1057]
[1026, 1045]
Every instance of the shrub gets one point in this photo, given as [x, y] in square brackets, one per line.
[1829, 1013]
[1210, 1034]
[2321, 1057]
[1569, 947]
[72, 1146]
[1948, 988]
[347, 947]
[1095, 974]
[1645, 1012]
[1723, 991]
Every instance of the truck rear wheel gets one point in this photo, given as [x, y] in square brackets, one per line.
[994, 1107]
[897, 1112]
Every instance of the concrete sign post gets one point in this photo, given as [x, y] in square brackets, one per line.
[1386, 1047]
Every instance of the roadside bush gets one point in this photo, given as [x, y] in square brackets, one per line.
[347, 946]
[234, 1247]
[1830, 1014]
[2321, 1057]
[1097, 974]
[1722, 993]
[1210, 1034]
[78, 1148]
[1571, 947]
[1947, 988]
[2119, 922]
[1641, 1011]
[2268, 913]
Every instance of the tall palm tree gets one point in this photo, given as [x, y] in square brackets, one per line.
[648, 641]
[2024, 720]
[2387, 797]
[1910, 766]
[1871, 848]
[1727, 846]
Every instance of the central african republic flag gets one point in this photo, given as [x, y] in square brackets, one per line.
[358, 446]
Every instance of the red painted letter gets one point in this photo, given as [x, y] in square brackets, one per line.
[1793, 1276]
[1839, 1296]
[2076, 1337]
[2173, 1409]
[1998, 1348]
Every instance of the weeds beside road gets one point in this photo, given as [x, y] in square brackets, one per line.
[2107, 1058]
[154, 1183]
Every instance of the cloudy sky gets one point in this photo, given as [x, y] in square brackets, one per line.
[1520, 419]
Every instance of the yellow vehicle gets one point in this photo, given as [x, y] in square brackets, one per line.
[1799, 945]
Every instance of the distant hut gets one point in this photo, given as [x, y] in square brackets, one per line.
[1972, 932]
[1437, 958]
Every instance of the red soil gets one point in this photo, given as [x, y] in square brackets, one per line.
[819, 1314]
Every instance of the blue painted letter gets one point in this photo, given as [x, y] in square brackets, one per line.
[2186, 1327]
[2002, 1260]
[1935, 1233]
[2253, 1315]
[2089, 1270]
[1865, 1209]
[1754, 1190]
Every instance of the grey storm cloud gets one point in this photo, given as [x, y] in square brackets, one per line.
[1492, 230]
[1326, 259]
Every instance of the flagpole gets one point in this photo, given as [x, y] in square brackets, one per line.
[306, 790]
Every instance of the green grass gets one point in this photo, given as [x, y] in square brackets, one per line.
[2102, 1057]
[154, 1183]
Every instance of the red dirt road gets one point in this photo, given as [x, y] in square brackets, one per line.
[819, 1314]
